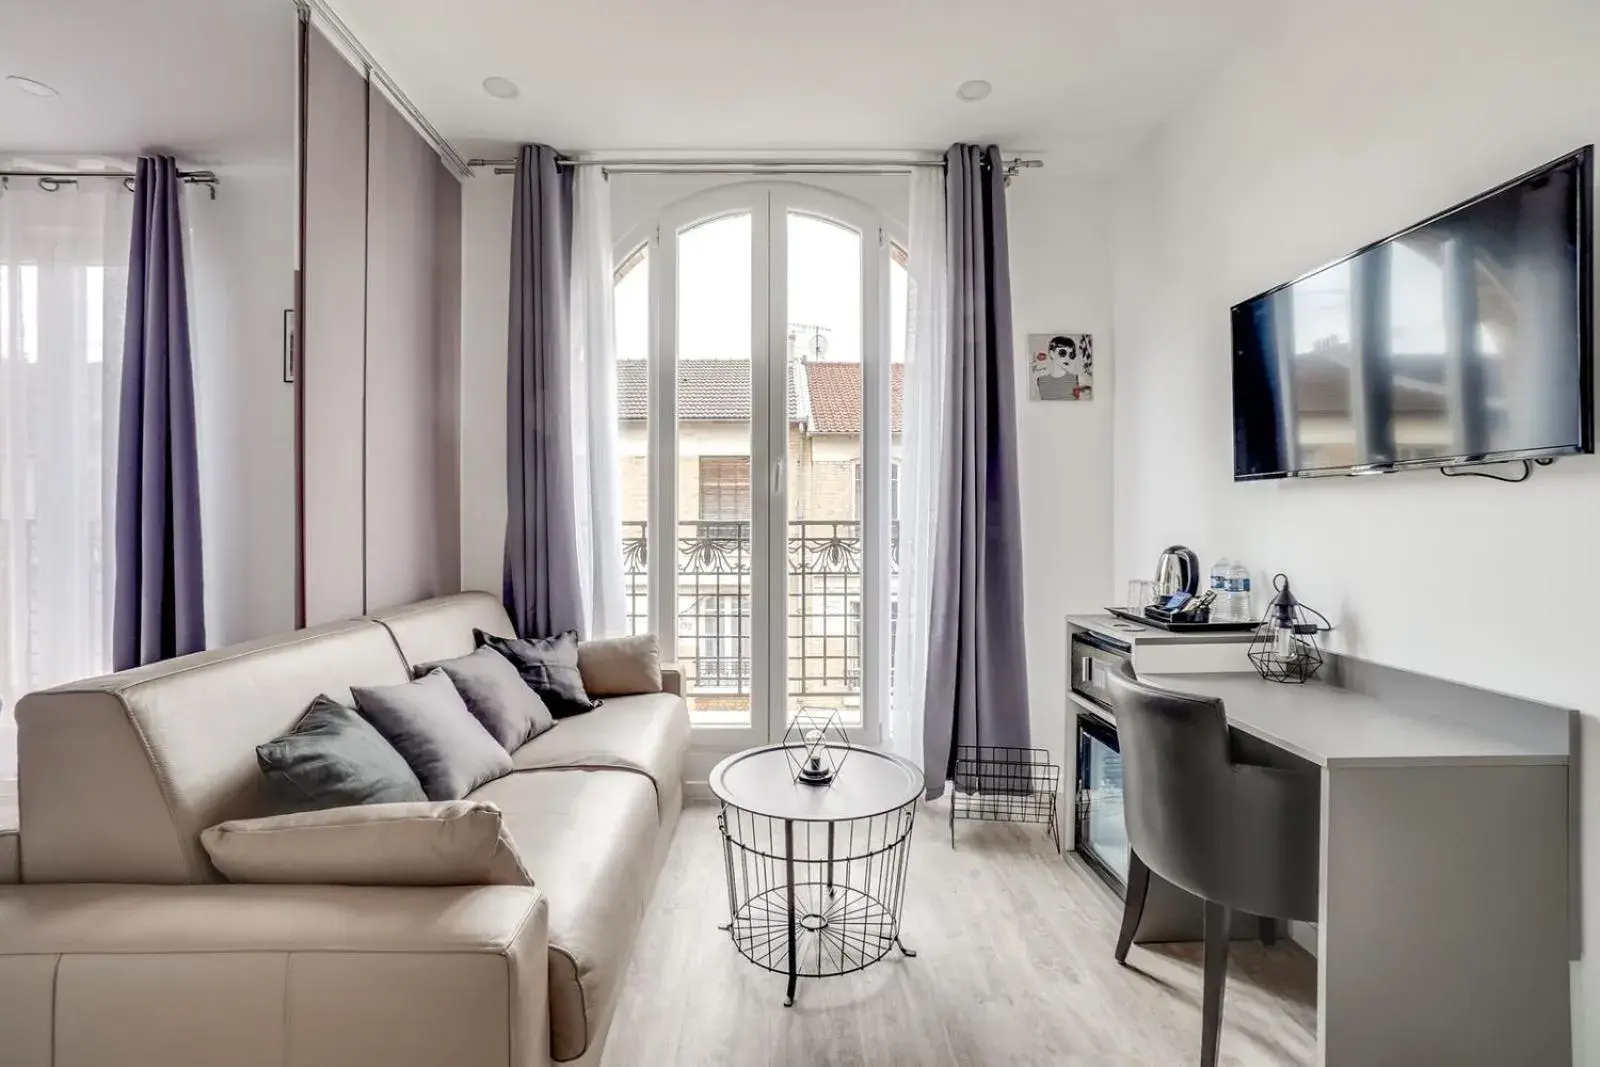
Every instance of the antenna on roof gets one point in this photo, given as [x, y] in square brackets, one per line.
[815, 348]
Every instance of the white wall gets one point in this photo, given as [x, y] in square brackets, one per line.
[1060, 229]
[1354, 120]
[1059, 232]
[242, 280]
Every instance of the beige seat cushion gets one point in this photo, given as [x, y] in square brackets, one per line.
[588, 838]
[452, 842]
[647, 734]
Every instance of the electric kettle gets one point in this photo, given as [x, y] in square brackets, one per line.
[1177, 571]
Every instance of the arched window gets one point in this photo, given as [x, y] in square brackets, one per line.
[760, 335]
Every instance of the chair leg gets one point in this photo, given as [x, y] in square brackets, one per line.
[1132, 904]
[1216, 977]
[1269, 931]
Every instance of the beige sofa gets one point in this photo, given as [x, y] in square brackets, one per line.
[122, 945]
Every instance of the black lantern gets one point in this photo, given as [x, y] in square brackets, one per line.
[1285, 646]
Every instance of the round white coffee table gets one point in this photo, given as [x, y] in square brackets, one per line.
[816, 873]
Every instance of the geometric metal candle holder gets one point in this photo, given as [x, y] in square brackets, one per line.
[1285, 645]
[816, 746]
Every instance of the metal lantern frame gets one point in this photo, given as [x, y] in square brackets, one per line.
[816, 746]
[1285, 647]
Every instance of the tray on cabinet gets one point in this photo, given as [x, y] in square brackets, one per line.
[1184, 627]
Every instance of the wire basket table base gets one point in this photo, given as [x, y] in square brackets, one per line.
[837, 931]
[818, 897]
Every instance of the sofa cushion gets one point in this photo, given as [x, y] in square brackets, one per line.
[620, 666]
[452, 842]
[429, 724]
[588, 839]
[646, 734]
[550, 666]
[497, 696]
[331, 759]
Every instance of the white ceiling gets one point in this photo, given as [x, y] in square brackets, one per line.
[206, 79]
[1085, 80]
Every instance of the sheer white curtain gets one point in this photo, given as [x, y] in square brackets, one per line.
[596, 486]
[63, 282]
[922, 456]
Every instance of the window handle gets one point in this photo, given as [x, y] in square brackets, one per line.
[777, 481]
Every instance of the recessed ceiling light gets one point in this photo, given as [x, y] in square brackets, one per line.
[28, 85]
[974, 90]
[500, 88]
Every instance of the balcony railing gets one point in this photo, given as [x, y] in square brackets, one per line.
[712, 575]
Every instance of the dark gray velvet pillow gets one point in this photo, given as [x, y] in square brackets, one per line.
[333, 758]
[428, 723]
[497, 696]
[550, 667]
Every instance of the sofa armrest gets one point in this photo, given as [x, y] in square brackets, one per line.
[10, 856]
[299, 975]
[672, 678]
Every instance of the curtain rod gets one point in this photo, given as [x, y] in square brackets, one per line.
[50, 180]
[1013, 166]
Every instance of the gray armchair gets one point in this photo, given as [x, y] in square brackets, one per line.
[1240, 836]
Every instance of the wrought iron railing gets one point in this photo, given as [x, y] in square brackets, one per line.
[714, 604]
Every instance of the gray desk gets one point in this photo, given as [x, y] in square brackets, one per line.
[1444, 931]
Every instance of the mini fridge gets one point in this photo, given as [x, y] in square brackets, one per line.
[1102, 834]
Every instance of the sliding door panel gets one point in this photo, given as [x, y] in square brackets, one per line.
[405, 419]
[331, 374]
[379, 360]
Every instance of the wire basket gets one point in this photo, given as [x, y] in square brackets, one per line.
[815, 899]
[999, 784]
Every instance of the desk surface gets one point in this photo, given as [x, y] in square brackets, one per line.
[1335, 727]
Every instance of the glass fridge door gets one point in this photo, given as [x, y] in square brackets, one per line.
[1102, 832]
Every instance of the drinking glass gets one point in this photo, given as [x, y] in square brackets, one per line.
[1141, 594]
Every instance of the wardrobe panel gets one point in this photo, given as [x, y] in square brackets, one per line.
[331, 375]
[408, 425]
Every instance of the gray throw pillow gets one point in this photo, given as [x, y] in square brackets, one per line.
[333, 758]
[497, 696]
[428, 723]
[550, 667]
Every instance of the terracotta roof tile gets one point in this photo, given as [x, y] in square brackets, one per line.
[836, 396]
[719, 390]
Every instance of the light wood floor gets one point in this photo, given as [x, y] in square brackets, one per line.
[1015, 968]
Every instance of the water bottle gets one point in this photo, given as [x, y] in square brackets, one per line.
[1239, 608]
[1220, 572]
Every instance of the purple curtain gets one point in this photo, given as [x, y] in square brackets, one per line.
[977, 662]
[542, 594]
[160, 604]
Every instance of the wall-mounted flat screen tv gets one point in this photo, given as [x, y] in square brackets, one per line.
[1465, 339]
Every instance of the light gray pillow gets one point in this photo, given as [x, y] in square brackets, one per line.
[497, 696]
[428, 723]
